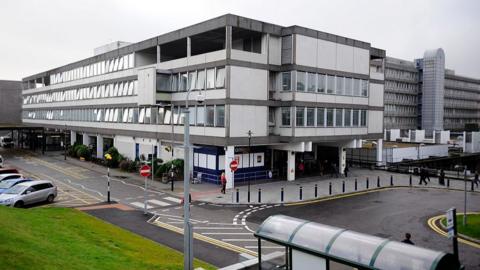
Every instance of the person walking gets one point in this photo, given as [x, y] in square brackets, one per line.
[223, 181]
[441, 178]
[422, 177]
[476, 181]
[407, 239]
[345, 171]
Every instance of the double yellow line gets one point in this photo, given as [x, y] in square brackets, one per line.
[433, 221]
[57, 168]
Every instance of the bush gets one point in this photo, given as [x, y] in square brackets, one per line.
[83, 152]
[133, 166]
[113, 163]
[165, 167]
[124, 165]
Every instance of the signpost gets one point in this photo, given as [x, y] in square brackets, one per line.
[145, 172]
[108, 157]
[452, 229]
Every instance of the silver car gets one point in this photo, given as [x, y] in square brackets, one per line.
[8, 176]
[28, 193]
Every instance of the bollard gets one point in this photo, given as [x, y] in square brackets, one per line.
[281, 195]
[316, 191]
[238, 195]
[259, 195]
[366, 183]
[330, 188]
[248, 195]
[343, 186]
[355, 184]
[410, 181]
[301, 193]
[448, 182]
[391, 180]
[378, 181]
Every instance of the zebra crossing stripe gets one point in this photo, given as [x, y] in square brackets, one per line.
[157, 202]
[172, 199]
[141, 205]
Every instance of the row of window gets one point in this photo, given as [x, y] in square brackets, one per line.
[399, 109]
[462, 84]
[401, 98]
[118, 89]
[474, 105]
[461, 94]
[210, 78]
[321, 83]
[324, 117]
[102, 67]
[210, 116]
[402, 86]
[400, 74]
[403, 121]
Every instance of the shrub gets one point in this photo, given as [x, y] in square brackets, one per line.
[83, 152]
[133, 166]
[124, 165]
[113, 163]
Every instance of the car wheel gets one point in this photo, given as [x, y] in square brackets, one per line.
[18, 204]
[50, 198]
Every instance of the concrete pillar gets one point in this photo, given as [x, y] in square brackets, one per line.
[85, 139]
[359, 143]
[73, 137]
[99, 146]
[229, 156]
[379, 158]
[342, 159]
[290, 165]
[464, 141]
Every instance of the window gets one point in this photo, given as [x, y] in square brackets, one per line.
[141, 118]
[330, 84]
[355, 118]
[174, 82]
[329, 117]
[181, 115]
[312, 82]
[286, 119]
[210, 78]
[356, 87]
[192, 116]
[160, 116]
[348, 117]
[201, 80]
[321, 83]
[167, 119]
[220, 116]
[301, 81]
[200, 115]
[148, 115]
[163, 82]
[300, 117]
[363, 118]
[340, 90]
[321, 117]
[192, 77]
[286, 81]
[176, 115]
[338, 117]
[310, 117]
[210, 116]
[364, 88]
[348, 86]
[220, 82]
[182, 85]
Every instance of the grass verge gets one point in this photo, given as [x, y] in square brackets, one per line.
[64, 238]
[472, 229]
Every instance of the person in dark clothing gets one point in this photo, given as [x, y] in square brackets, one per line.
[427, 174]
[345, 171]
[441, 178]
[422, 177]
[407, 239]
[476, 181]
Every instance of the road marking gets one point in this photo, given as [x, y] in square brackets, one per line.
[269, 247]
[157, 202]
[432, 223]
[141, 205]
[218, 228]
[221, 233]
[172, 199]
[240, 240]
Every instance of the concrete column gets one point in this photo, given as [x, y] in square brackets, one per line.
[85, 139]
[464, 141]
[73, 137]
[342, 159]
[99, 146]
[379, 152]
[158, 54]
[290, 165]
[229, 156]
[359, 143]
[189, 47]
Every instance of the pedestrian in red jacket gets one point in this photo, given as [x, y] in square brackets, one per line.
[223, 181]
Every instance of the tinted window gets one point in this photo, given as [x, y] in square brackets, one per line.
[41, 186]
[11, 177]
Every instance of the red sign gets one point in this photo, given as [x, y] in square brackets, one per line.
[145, 171]
[234, 165]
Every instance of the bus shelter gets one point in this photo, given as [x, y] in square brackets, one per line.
[310, 245]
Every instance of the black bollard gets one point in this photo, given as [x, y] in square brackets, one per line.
[448, 182]
[259, 195]
[378, 181]
[301, 193]
[366, 184]
[391, 180]
[330, 188]
[343, 186]
[410, 181]
[355, 184]
[281, 195]
[316, 191]
[238, 195]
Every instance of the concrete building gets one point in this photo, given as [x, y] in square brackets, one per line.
[305, 95]
[424, 95]
[10, 102]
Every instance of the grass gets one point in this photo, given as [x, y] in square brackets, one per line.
[473, 225]
[64, 238]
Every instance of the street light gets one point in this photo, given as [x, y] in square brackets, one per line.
[464, 168]
[249, 133]
[65, 142]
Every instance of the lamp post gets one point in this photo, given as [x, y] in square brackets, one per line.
[249, 133]
[108, 157]
[65, 142]
[464, 168]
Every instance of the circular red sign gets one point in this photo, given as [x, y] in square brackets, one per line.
[233, 165]
[145, 171]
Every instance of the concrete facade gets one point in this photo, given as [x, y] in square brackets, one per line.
[10, 102]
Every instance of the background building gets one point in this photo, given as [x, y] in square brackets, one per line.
[10, 102]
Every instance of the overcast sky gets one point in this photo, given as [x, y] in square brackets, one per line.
[39, 35]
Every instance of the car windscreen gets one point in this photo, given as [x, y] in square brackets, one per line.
[6, 184]
[15, 189]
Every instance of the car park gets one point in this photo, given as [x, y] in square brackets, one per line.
[5, 185]
[8, 170]
[6, 142]
[29, 193]
[9, 176]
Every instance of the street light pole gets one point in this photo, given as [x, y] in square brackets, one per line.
[249, 143]
[65, 142]
[465, 197]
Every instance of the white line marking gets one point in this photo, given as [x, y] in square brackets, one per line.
[141, 205]
[264, 247]
[219, 233]
[175, 200]
[176, 219]
[218, 228]
[240, 240]
[157, 202]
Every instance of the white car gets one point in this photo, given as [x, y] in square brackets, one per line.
[8, 176]
[1, 161]
[29, 192]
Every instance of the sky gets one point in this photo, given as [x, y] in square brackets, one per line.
[38, 35]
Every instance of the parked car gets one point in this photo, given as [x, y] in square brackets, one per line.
[4, 185]
[8, 176]
[6, 142]
[29, 192]
[8, 170]
[1, 161]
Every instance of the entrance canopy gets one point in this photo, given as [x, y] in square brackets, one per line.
[350, 248]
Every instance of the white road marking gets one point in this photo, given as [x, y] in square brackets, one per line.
[240, 240]
[141, 205]
[218, 228]
[172, 199]
[265, 247]
[157, 202]
[233, 233]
